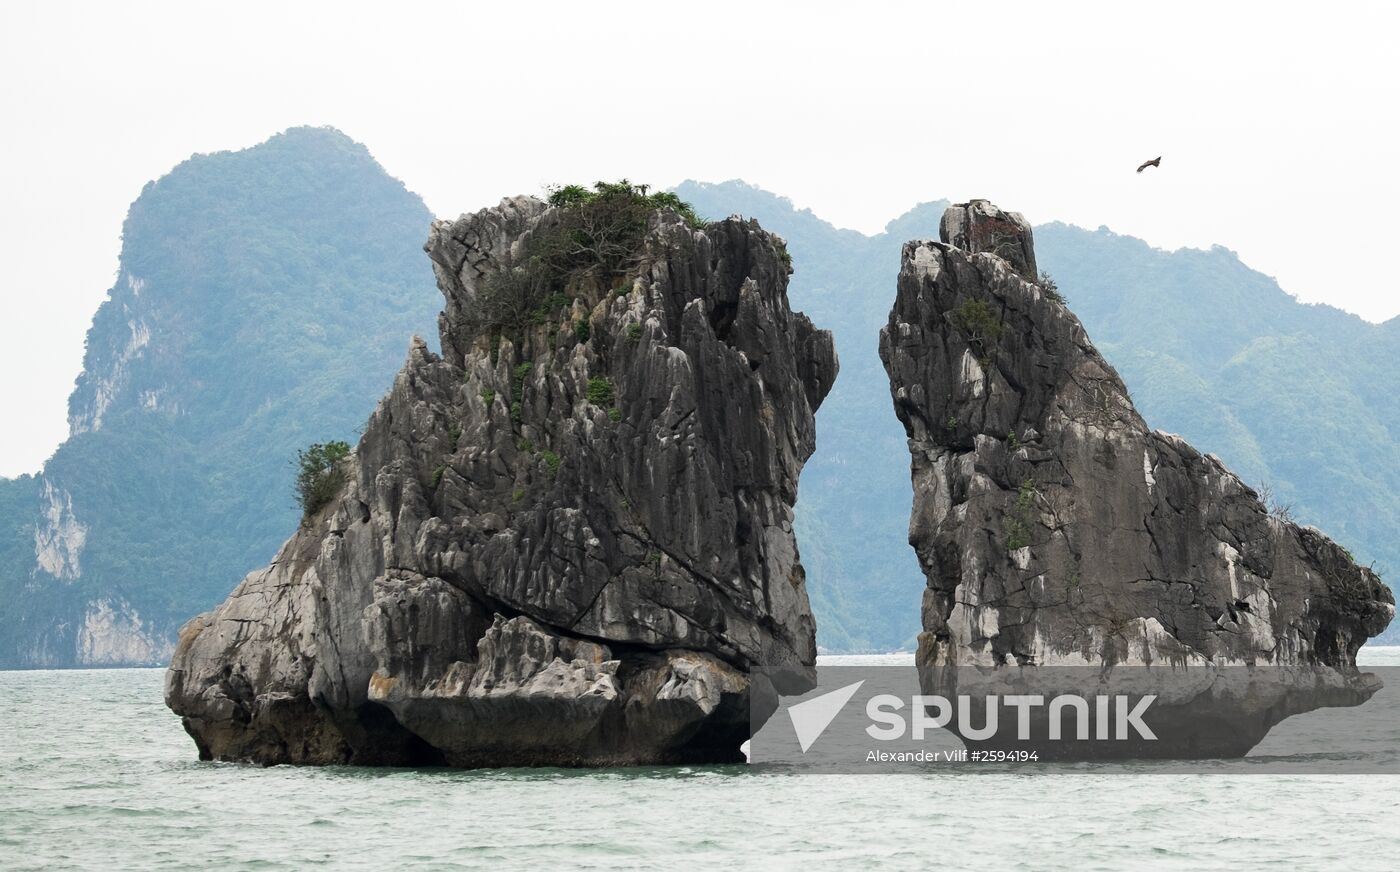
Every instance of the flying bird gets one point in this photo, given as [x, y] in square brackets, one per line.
[1155, 162]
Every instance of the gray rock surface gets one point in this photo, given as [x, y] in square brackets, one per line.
[558, 545]
[979, 226]
[1062, 538]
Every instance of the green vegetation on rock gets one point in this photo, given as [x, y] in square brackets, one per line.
[981, 324]
[320, 475]
[600, 391]
[551, 460]
[594, 241]
[1022, 517]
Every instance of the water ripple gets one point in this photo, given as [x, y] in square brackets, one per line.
[94, 773]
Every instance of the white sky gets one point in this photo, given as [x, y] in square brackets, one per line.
[1277, 126]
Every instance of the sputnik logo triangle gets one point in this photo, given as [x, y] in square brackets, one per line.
[811, 717]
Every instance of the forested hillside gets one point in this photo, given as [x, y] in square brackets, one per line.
[1301, 398]
[264, 300]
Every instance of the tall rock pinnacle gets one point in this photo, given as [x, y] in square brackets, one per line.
[567, 540]
[1057, 530]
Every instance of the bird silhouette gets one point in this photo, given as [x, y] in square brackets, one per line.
[1155, 162]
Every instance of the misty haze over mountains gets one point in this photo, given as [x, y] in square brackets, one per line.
[1297, 396]
[264, 301]
[266, 297]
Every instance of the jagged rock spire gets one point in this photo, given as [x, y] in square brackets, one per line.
[566, 541]
[1057, 530]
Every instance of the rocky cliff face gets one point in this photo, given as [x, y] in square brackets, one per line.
[247, 280]
[567, 540]
[853, 515]
[1061, 537]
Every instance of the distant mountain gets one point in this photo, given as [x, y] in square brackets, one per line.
[266, 297]
[1301, 397]
[264, 300]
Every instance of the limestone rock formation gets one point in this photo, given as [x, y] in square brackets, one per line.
[980, 226]
[1064, 540]
[565, 541]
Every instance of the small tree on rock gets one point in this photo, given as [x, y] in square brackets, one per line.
[320, 475]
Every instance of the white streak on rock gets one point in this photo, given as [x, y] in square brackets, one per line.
[59, 536]
[113, 634]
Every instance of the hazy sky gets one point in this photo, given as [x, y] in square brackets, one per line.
[1277, 124]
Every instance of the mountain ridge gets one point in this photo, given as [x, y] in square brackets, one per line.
[282, 278]
[1176, 362]
[1293, 395]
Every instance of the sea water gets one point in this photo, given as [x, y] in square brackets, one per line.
[95, 772]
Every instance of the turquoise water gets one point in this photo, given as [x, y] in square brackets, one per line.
[96, 773]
